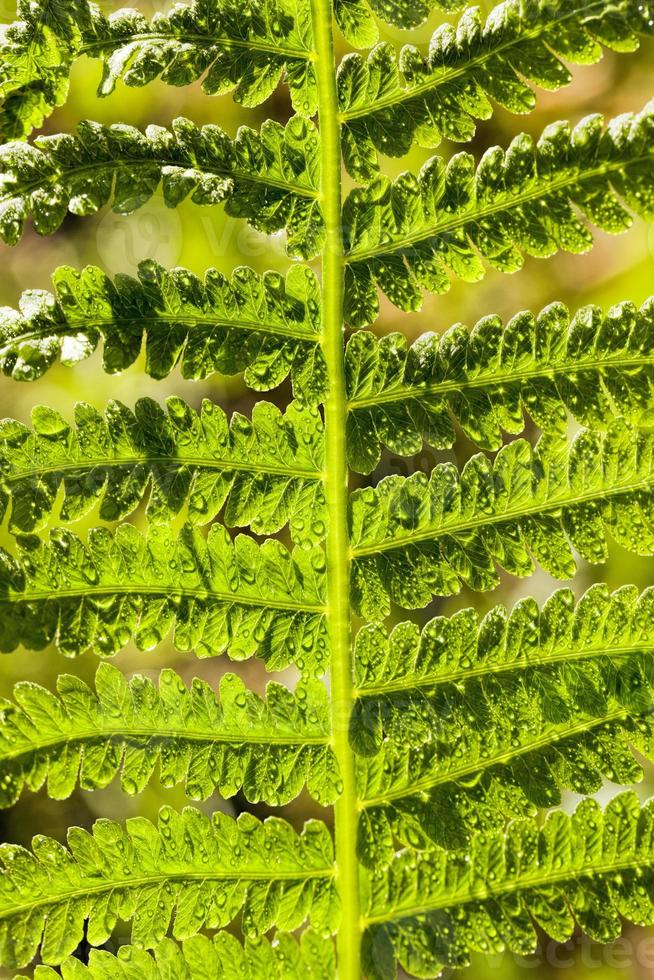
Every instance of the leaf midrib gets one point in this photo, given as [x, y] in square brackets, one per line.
[482, 765]
[507, 203]
[63, 174]
[570, 655]
[90, 323]
[491, 380]
[126, 734]
[542, 880]
[165, 591]
[537, 507]
[175, 877]
[118, 43]
[451, 74]
[199, 462]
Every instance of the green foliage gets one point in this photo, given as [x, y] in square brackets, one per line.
[264, 326]
[467, 724]
[409, 234]
[203, 870]
[268, 469]
[270, 749]
[591, 868]
[217, 594]
[356, 18]
[269, 178]
[422, 536]
[35, 61]
[234, 48]
[445, 750]
[285, 959]
[390, 101]
[487, 379]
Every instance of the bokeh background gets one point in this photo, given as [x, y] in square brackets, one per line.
[617, 269]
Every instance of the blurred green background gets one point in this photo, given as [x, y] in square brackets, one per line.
[617, 269]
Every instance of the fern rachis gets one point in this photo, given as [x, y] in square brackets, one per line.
[438, 747]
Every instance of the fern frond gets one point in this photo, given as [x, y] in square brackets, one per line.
[267, 470]
[265, 326]
[218, 595]
[591, 365]
[236, 48]
[469, 724]
[269, 178]
[35, 54]
[404, 235]
[388, 101]
[204, 870]
[450, 650]
[268, 748]
[244, 50]
[418, 537]
[439, 747]
[283, 958]
[431, 910]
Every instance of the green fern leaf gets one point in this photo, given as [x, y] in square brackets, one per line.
[357, 22]
[430, 911]
[389, 102]
[468, 724]
[439, 747]
[35, 56]
[463, 646]
[270, 749]
[418, 537]
[404, 235]
[218, 595]
[204, 870]
[592, 366]
[265, 326]
[268, 470]
[269, 178]
[234, 48]
[199, 957]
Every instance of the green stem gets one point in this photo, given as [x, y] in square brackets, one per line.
[338, 560]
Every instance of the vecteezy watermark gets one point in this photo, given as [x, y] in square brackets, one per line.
[629, 952]
[154, 232]
[633, 954]
[229, 236]
[157, 232]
